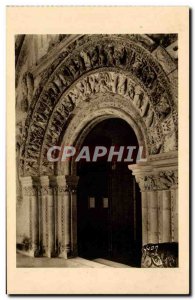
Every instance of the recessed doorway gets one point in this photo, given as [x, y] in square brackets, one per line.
[109, 200]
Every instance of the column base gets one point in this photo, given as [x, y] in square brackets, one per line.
[33, 252]
[47, 253]
[63, 254]
[74, 252]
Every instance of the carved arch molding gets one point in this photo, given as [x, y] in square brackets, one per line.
[95, 66]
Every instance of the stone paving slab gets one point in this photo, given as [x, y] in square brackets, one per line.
[44, 262]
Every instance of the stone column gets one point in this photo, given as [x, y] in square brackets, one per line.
[46, 217]
[153, 231]
[72, 182]
[66, 221]
[30, 196]
[166, 216]
[62, 217]
[174, 213]
[159, 208]
[66, 215]
[144, 218]
[150, 207]
[158, 182]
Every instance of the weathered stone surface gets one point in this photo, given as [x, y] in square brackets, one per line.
[127, 69]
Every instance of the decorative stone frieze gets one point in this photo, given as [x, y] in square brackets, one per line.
[158, 173]
[159, 181]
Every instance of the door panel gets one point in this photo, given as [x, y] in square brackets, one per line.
[93, 229]
[109, 213]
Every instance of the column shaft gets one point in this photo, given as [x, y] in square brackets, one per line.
[65, 223]
[160, 215]
[34, 222]
[144, 218]
[166, 237]
[72, 182]
[63, 217]
[30, 196]
[174, 215]
[74, 250]
[46, 216]
[153, 217]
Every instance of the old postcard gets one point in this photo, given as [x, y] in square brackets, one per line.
[97, 150]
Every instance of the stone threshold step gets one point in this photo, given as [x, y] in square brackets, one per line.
[89, 263]
[110, 263]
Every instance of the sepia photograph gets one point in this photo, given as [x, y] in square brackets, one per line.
[98, 150]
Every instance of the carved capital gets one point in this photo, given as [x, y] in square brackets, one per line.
[167, 179]
[61, 189]
[146, 183]
[58, 183]
[72, 182]
[160, 172]
[159, 181]
[44, 186]
[45, 190]
[29, 191]
[28, 186]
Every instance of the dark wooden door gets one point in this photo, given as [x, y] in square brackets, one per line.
[93, 211]
[109, 213]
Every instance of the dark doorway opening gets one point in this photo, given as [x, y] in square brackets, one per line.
[109, 200]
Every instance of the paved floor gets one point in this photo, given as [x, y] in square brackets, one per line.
[110, 263]
[24, 261]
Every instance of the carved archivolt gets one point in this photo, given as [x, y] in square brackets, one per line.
[95, 65]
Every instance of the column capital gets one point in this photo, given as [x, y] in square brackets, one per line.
[72, 182]
[64, 183]
[28, 186]
[163, 180]
[44, 184]
[159, 173]
[59, 183]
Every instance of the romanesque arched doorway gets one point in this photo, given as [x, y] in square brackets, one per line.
[108, 198]
[92, 78]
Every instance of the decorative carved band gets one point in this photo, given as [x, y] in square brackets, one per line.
[162, 181]
[45, 190]
[61, 189]
[29, 191]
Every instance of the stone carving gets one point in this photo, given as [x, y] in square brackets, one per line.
[146, 182]
[168, 179]
[61, 189]
[45, 190]
[151, 88]
[27, 87]
[99, 82]
[160, 181]
[29, 191]
[163, 255]
[72, 182]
